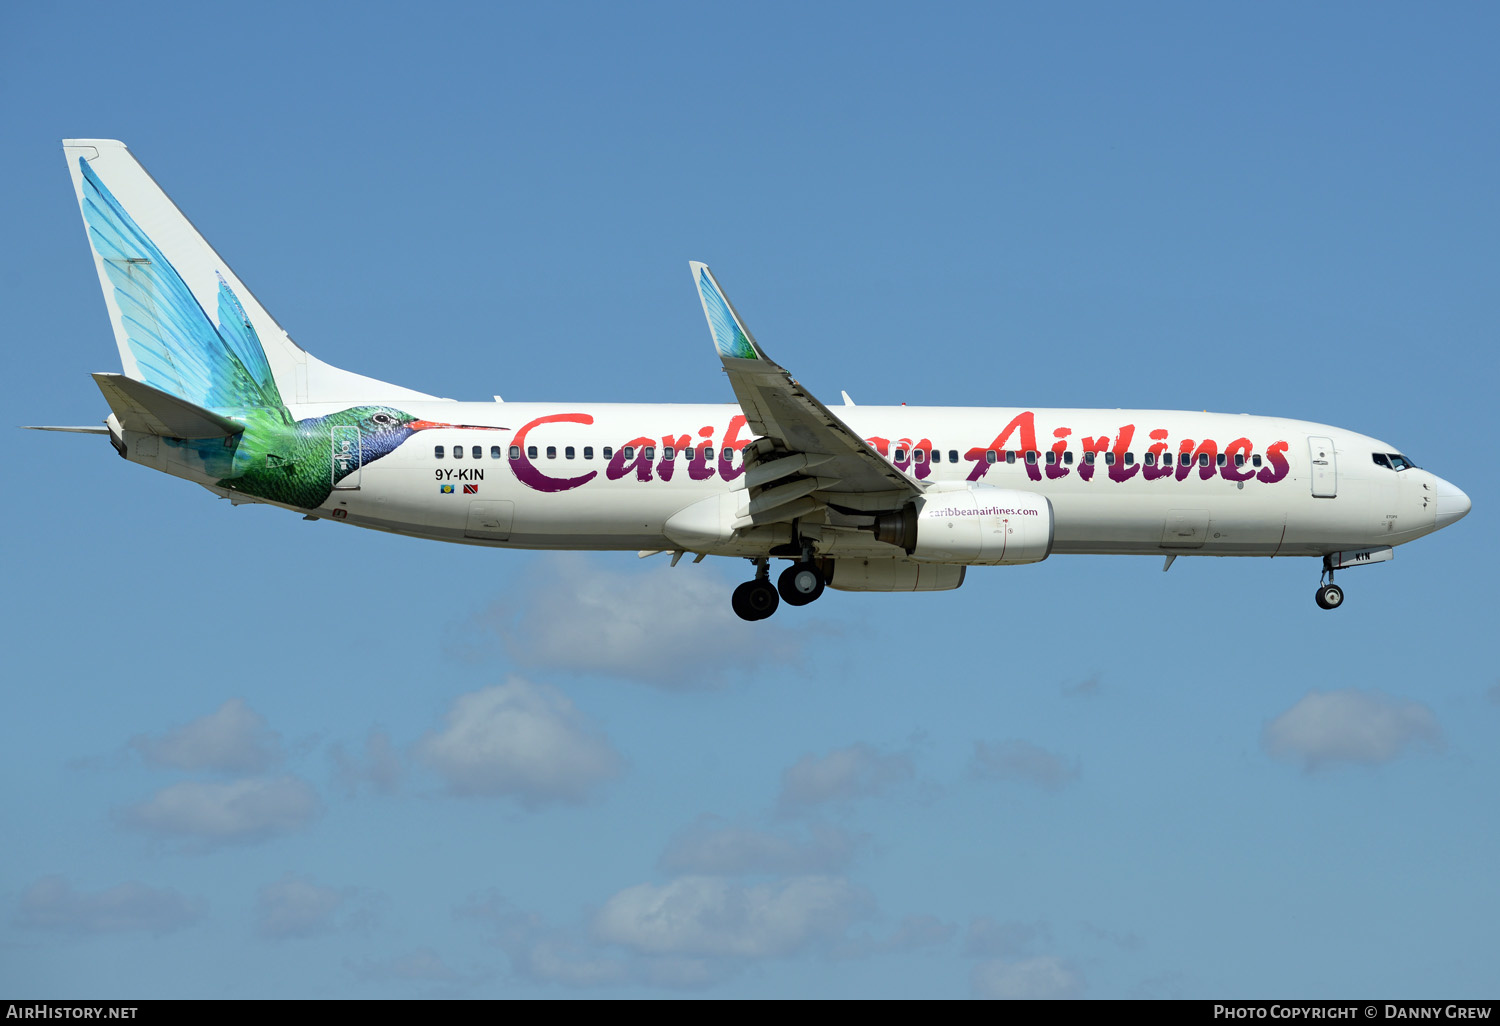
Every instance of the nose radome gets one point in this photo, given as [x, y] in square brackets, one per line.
[1452, 504]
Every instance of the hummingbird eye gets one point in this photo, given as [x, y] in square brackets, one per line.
[382, 418]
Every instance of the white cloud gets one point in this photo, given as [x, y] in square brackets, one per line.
[1027, 980]
[380, 766]
[51, 903]
[230, 812]
[710, 917]
[233, 739]
[1015, 759]
[713, 848]
[859, 771]
[1328, 727]
[541, 953]
[294, 906]
[671, 627]
[521, 740]
[988, 938]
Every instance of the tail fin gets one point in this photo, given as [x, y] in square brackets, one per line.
[160, 278]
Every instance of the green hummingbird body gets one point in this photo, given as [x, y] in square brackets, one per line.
[292, 462]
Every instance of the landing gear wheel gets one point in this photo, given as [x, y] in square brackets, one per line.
[800, 584]
[755, 600]
[1329, 596]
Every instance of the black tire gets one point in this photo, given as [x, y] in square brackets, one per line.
[755, 600]
[1330, 596]
[800, 584]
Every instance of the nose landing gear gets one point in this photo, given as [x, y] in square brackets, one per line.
[1329, 595]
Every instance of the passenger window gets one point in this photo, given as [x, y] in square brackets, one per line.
[1068, 458]
[628, 452]
[1239, 459]
[1221, 459]
[1130, 459]
[494, 452]
[1088, 458]
[531, 452]
[588, 452]
[900, 455]
[1031, 457]
[989, 455]
[1149, 459]
[920, 455]
[650, 452]
[437, 452]
[1010, 456]
[708, 453]
[477, 452]
[568, 452]
[1255, 460]
[1051, 457]
[1203, 459]
[937, 455]
[608, 452]
[515, 452]
[952, 455]
[1166, 459]
[458, 452]
[552, 452]
[1109, 459]
[668, 453]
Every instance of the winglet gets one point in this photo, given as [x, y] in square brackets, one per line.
[732, 339]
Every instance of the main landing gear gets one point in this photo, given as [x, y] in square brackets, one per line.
[799, 584]
[1329, 595]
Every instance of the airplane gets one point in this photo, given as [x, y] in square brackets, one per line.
[868, 498]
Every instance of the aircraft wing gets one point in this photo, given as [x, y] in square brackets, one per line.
[805, 457]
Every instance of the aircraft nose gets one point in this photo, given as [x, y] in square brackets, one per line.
[1452, 504]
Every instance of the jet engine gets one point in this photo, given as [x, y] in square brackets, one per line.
[972, 526]
[852, 574]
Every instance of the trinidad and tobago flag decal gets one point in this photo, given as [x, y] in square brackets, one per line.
[471, 489]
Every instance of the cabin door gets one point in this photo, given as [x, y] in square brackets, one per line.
[1325, 471]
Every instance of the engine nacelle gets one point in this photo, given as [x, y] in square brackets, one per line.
[854, 574]
[972, 526]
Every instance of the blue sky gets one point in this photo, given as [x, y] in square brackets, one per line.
[245, 755]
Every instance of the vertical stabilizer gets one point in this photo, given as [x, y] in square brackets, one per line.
[184, 323]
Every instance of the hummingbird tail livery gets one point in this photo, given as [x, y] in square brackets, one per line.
[866, 499]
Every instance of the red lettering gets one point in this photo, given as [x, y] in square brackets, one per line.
[1231, 471]
[665, 467]
[618, 467]
[1276, 456]
[529, 475]
[1120, 472]
[1057, 468]
[1025, 423]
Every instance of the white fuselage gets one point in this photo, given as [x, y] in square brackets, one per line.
[543, 480]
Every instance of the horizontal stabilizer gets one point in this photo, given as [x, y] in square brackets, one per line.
[88, 429]
[140, 407]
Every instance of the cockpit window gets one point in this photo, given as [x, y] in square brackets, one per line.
[1392, 460]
